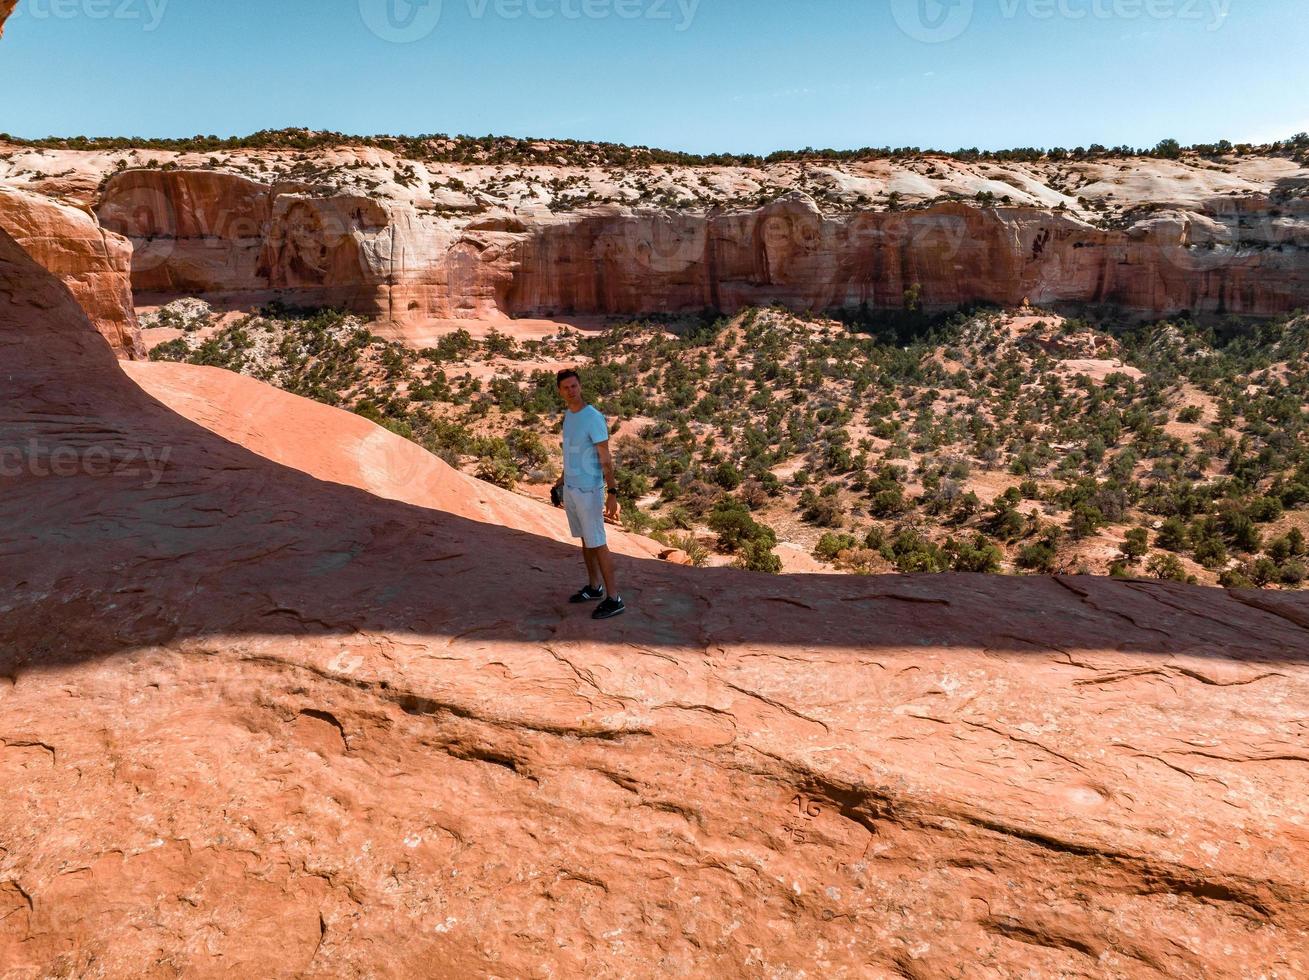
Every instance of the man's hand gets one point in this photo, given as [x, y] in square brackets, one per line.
[611, 508]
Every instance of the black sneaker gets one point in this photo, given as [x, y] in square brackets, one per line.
[589, 594]
[609, 609]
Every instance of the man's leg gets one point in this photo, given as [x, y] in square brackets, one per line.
[592, 567]
[605, 560]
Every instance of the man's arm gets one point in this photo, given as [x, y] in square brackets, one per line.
[607, 464]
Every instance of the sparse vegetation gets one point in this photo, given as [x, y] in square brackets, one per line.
[876, 442]
[526, 151]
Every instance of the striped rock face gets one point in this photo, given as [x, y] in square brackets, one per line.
[212, 234]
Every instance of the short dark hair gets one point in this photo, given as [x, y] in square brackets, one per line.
[565, 374]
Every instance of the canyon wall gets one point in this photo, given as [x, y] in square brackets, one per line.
[95, 264]
[221, 235]
[227, 237]
[790, 253]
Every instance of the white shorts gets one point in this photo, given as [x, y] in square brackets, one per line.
[586, 515]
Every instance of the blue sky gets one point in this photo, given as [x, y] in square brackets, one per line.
[698, 75]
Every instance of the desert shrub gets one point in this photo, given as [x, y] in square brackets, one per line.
[1235, 578]
[1166, 566]
[1039, 556]
[1006, 523]
[830, 545]
[1135, 545]
[698, 497]
[1207, 547]
[173, 350]
[1173, 535]
[978, 555]
[1262, 571]
[912, 552]
[528, 448]
[1265, 510]
[727, 475]
[500, 471]
[888, 502]
[696, 552]
[758, 556]
[1239, 528]
[754, 493]
[374, 414]
[1085, 521]
[454, 346]
[1294, 493]
[735, 527]
[966, 507]
[822, 509]
[635, 519]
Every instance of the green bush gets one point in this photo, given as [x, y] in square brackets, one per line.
[1136, 545]
[978, 555]
[500, 471]
[1037, 557]
[1167, 567]
[731, 521]
[758, 556]
[830, 545]
[912, 552]
[1173, 535]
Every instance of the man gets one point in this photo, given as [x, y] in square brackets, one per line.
[588, 475]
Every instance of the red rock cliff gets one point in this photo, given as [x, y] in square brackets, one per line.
[790, 253]
[95, 264]
[204, 233]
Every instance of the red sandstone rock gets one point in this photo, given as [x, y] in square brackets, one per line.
[252, 724]
[226, 236]
[95, 264]
[340, 447]
[257, 724]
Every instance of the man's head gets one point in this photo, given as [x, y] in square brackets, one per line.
[570, 389]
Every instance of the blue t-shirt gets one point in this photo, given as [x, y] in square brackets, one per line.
[582, 431]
